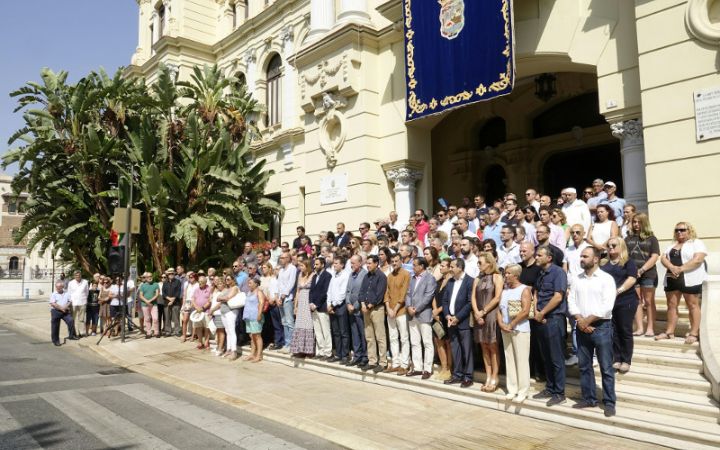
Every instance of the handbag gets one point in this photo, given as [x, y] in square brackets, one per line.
[211, 325]
[237, 302]
[515, 307]
[438, 330]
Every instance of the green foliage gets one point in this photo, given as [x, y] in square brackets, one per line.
[181, 144]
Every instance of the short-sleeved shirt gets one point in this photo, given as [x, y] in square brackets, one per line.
[62, 300]
[202, 295]
[148, 290]
[641, 250]
[620, 273]
[530, 275]
[93, 297]
[551, 280]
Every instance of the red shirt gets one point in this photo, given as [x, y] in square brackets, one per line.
[422, 228]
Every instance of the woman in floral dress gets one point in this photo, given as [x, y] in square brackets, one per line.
[303, 339]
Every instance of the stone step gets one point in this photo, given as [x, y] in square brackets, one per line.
[677, 360]
[677, 345]
[642, 412]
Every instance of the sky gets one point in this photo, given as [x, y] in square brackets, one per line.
[77, 36]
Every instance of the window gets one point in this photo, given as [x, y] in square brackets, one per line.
[161, 22]
[274, 92]
[12, 207]
[14, 264]
[234, 11]
[247, 8]
[152, 39]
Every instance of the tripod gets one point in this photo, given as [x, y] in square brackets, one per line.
[116, 321]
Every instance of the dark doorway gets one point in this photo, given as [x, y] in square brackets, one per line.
[578, 168]
[496, 180]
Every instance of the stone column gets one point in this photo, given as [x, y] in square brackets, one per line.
[404, 179]
[250, 70]
[155, 19]
[632, 153]
[322, 18]
[353, 11]
[289, 80]
[166, 25]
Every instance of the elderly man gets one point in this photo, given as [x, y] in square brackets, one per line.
[60, 310]
[613, 201]
[576, 211]
[357, 324]
[78, 289]
[597, 196]
[248, 254]
[172, 292]
[148, 294]
[418, 303]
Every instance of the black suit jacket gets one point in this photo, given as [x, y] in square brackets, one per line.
[463, 301]
[341, 241]
[318, 290]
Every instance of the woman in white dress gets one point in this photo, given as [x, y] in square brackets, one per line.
[603, 229]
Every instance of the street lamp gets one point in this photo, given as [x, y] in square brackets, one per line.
[545, 86]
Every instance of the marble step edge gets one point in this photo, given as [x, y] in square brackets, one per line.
[626, 424]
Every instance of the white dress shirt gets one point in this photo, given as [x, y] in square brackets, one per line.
[577, 212]
[507, 256]
[78, 291]
[471, 266]
[62, 300]
[456, 289]
[592, 295]
[337, 289]
[286, 280]
[572, 257]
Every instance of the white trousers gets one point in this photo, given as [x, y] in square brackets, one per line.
[228, 320]
[421, 338]
[323, 335]
[400, 348]
[517, 362]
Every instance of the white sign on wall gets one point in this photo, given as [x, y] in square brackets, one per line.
[333, 189]
[707, 113]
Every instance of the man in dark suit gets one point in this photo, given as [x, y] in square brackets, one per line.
[318, 306]
[342, 238]
[457, 306]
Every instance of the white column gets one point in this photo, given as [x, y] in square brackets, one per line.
[404, 179]
[289, 81]
[353, 11]
[166, 25]
[632, 153]
[322, 18]
[250, 70]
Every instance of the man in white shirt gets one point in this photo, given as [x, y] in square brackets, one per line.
[444, 223]
[509, 252]
[457, 308]
[471, 261]
[339, 322]
[576, 210]
[462, 224]
[60, 310]
[591, 301]
[78, 291]
[573, 269]
[531, 198]
[287, 278]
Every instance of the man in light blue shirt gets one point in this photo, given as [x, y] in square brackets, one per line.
[613, 201]
[492, 230]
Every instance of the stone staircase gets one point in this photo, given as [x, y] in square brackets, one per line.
[664, 399]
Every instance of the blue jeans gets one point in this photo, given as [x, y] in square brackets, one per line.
[287, 313]
[599, 341]
[552, 347]
[573, 325]
[357, 329]
[277, 325]
[55, 318]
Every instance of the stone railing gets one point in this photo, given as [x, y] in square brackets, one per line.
[709, 329]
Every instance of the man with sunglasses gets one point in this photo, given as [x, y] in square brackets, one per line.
[444, 223]
[598, 194]
[613, 201]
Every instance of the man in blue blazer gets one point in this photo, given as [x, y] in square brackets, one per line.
[457, 306]
[318, 305]
[342, 238]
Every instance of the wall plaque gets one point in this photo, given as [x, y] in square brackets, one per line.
[707, 113]
[333, 189]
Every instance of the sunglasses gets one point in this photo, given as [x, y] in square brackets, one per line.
[680, 230]
[576, 232]
[528, 194]
[612, 245]
[587, 192]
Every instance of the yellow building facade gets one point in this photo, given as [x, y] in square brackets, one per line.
[332, 76]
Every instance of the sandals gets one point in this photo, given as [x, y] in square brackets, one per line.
[638, 333]
[691, 339]
[492, 387]
[663, 336]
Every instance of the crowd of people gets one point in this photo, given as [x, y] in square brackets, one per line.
[554, 283]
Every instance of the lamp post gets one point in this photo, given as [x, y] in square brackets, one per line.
[126, 262]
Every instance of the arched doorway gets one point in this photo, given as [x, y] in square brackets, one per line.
[496, 183]
[577, 168]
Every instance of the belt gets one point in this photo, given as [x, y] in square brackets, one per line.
[599, 322]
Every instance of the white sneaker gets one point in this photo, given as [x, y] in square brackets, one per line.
[595, 362]
[284, 350]
[509, 396]
[571, 360]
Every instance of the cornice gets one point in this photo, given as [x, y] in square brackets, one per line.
[350, 34]
[282, 137]
[391, 10]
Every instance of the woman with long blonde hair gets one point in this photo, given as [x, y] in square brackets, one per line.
[685, 264]
[487, 289]
[623, 270]
[644, 249]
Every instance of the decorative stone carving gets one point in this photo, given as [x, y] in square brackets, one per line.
[333, 129]
[404, 176]
[287, 34]
[628, 131]
[699, 23]
[249, 57]
[286, 150]
[323, 73]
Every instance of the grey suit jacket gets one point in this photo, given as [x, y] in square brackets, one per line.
[353, 290]
[420, 296]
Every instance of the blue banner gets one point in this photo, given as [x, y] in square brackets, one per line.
[457, 52]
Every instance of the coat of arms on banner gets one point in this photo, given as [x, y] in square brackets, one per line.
[452, 18]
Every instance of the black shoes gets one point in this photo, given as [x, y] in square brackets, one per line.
[466, 383]
[332, 359]
[57, 344]
[556, 400]
[583, 404]
[542, 395]
[377, 369]
[367, 367]
[73, 338]
[609, 411]
[453, 380]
